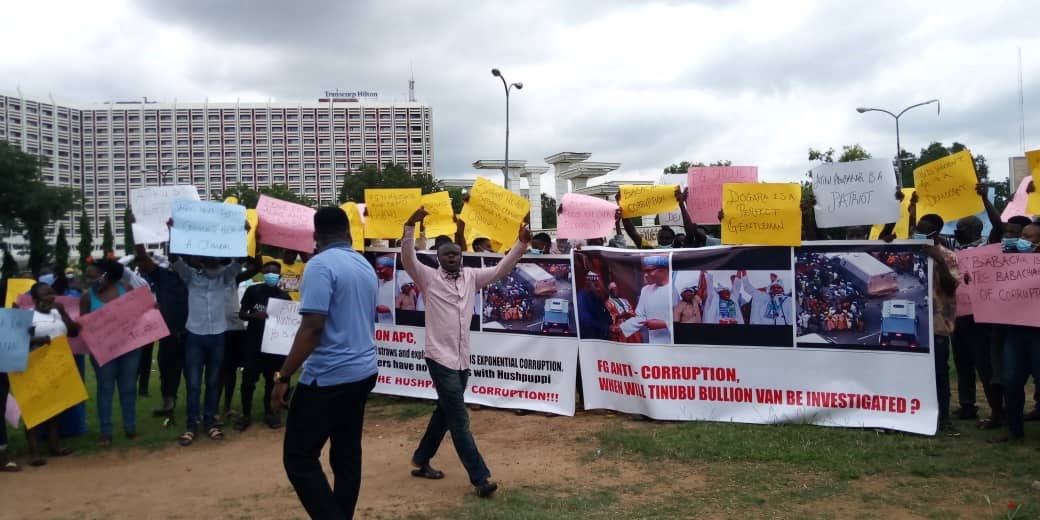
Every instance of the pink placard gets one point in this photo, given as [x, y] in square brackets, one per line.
[12, 414]
[122, 325]
[1005, 287]
[965, 259]
[705, 189]
[1017, 205]
[583, 216]
[284, 224]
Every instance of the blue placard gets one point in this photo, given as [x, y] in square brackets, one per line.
[208, 229]
[14, 339]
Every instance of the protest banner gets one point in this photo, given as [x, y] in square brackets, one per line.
[283, 319]
[126, 323]
[440, 218]
[1004, 287]
[14, 339]
[854, 193]
[152, 208]
[583, 216]
[946, 187]
[763, 214]
[494, 212]
[208, 229]
[735, 352]
[638, 200]
[357, 225]
[50, 385]
[12, 414]
[704, 196]
[902, 229]
[286, 225]
[15, 288]
[388, 210]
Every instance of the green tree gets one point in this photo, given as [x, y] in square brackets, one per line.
[9, 269]
[85, 248]
[390, 176]
[248, 197]
[684, 166]
[548, 212]
[61, 248]
[849, 153]
[936, 151]
[128, 233]
[108, 239]
[456, 195]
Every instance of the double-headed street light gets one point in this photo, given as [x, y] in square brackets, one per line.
[507, 86]
[899, 149]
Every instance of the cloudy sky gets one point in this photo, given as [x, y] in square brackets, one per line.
[645, 84]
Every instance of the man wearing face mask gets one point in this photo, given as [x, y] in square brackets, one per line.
[254, 311]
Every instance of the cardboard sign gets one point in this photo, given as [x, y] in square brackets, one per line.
[765, 214]
[1004, 287]
[494, 212]
[283, 320]
[153, 207]
[388, 210]
[902, 228]
[357, 225]
[123, 325]
[15, 288]
[286, 225]
[12, 414]
[855, 193]
[14, 339]
[208, 229]
[704, 197]
[585, 217]
[639, 200]
[946, 187]
[50, 385]
[440, 219]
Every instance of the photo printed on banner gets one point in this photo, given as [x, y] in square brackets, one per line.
[535, 298]
[409, 305]
[735, 296]
[384, 263]
[625, 297]
[865, 297]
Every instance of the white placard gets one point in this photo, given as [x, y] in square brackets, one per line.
[855, 193]
[283, 319]
[151, 207]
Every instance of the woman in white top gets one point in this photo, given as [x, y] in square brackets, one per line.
[49, 321]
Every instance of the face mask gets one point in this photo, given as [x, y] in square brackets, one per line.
[919, 236]
[271, 279]
[1024, 246]
[1008, 245]
[535, 251]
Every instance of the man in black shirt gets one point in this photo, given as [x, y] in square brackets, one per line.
[254, 311]
[172, 296]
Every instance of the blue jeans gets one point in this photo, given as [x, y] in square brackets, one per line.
[120, 372]
[942, 375]
[1021, 358]
[74, 420]
[203, 352]
[451, 414]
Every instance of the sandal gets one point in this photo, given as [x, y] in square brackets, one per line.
[242, 423]
[426, 471]
[186, 438]
[215, 434]
[10, 467]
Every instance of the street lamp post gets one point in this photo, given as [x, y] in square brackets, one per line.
[899, 149]
[507, 86]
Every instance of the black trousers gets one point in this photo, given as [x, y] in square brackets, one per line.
[257, 363]
[171, 364]
[144, 369]
[971, 355]
[319, 414]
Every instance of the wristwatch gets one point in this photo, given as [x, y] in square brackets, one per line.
[280, 379]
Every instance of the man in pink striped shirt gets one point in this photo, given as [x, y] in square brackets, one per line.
[448, 294]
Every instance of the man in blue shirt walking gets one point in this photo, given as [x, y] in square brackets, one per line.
[336, 347]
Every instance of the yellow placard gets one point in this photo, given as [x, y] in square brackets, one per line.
[254, 221]
[1033, 160]
[946, 187]
[50, 384]
[15, 287]
[903, 226]
[761, 213]
[440, 215]
[357, 226]
[231, 200]
[1033, 202]
[494, 212]
[637, 200]
[388, 210]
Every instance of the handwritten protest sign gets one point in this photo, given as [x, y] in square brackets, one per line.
[357, 225]
[283, 319]
[122, 325]
[1017, 205]
[208, 229]
[12, 414]
[441, 216]
[903, 224]
[49, 385]
[1033, 202]
[494, 212]
[14, 339]
[855, 193]
[1004, 287]
[946, 187]
[152, 207]
[966, 259]
[585, 217]
[639, 200]
[388, 210]
[704, 198]
[766, 214]
[284, 224]
[1033, 160]
[16, 287]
